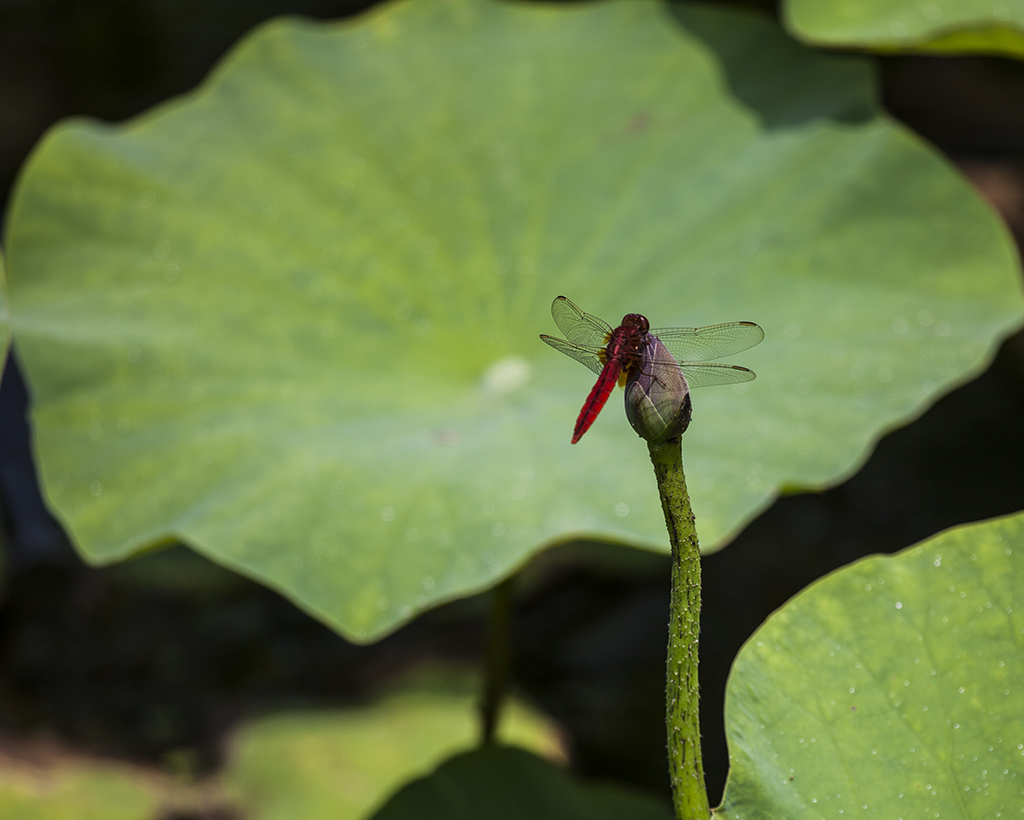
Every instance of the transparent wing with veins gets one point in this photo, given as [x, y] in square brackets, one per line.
[691, 347]
[590, 356]
[587, 335]
[579, 327]
[698, 344]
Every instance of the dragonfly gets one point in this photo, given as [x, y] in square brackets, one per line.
[617, 353]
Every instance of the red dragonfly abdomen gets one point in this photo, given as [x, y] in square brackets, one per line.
[619, 356]
[599, 394]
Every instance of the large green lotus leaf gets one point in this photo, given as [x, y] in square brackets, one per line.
[944, 26]
[891, 688]
[292, 318]
[342, 765]
[511, 784]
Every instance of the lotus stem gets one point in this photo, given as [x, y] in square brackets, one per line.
[682, 699]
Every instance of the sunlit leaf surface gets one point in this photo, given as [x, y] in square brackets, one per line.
[890, 688]
[292, 318]
[944, 26]
[511, 784]
[338, 764]
[343, 764]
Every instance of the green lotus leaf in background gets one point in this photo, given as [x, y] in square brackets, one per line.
[941, 26]
[291, 319]
[512, 784]
[54, 788]
[889, 688]
[342, 765]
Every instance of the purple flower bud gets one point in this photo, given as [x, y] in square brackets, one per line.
[657, 395]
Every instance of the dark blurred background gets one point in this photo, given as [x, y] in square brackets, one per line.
[155, 660]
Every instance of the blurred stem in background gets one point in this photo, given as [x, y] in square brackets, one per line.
[498, 660]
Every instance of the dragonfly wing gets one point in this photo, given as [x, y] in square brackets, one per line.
[585, 355]
[707, 375]
[579, 327]
[698, 344]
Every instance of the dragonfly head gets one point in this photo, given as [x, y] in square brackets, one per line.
[636, 321]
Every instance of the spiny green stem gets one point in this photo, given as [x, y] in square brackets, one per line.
[686, 766]
[498, 660]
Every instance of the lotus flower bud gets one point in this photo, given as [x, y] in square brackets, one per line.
[657, 395]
